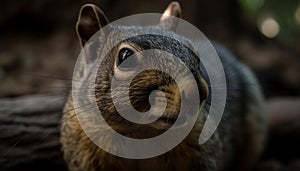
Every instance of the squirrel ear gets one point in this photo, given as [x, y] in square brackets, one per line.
[91, 19]
[168, 19]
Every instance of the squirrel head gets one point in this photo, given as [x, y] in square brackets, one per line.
[92, 19]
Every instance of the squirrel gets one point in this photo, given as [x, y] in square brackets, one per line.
[235, 145]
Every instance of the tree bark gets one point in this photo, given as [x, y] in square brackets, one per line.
[29, 133]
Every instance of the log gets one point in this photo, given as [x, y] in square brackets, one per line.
[29, 133]
[282, 150]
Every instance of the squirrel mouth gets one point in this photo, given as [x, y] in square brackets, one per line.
[165, 122]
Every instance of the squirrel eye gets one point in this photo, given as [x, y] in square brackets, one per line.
[124, 53]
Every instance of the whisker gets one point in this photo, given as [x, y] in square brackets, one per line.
[76, 114]
[55, 77]
[11, 148]
[92, 103]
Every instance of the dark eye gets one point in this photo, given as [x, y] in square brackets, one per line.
[123, 62]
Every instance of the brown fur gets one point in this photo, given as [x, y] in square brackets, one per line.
[235, 145]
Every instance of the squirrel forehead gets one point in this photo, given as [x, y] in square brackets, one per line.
[152, 37]
[164, 43]
[155, 37]
[157, 34]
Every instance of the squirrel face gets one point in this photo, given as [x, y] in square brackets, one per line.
[115, 64]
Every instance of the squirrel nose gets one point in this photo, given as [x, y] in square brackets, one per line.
[188, 92]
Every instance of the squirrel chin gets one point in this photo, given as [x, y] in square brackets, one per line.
[165, 123]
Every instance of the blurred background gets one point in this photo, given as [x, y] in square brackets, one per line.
[39, 48]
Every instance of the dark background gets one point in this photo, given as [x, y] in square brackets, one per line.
[39, 47]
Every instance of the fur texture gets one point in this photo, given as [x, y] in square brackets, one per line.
[234, 146]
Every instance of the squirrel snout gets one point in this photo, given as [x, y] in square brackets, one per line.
[189, 92]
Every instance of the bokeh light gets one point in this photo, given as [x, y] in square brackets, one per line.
[297, 15]
[269, 27]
